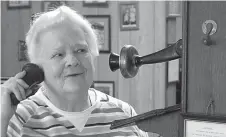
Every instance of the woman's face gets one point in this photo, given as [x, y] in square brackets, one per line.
[66, 60]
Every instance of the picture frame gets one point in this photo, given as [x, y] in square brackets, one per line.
[102, 25]
[3, 79]
[174, 76]
[195, 125]
[22, 51]
[129, 15]
[89, 3]
[107, 87]
[15, 4]
[173, 69]
[173, 8]
[51, 5]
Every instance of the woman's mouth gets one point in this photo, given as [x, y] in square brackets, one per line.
[74, 75]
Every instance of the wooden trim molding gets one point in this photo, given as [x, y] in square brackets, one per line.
[185, 15]
[157, 113]
[185, 56]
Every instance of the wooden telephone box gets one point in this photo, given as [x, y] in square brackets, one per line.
[204, 68]
[202, 112]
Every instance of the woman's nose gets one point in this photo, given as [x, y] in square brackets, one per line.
[72, 60]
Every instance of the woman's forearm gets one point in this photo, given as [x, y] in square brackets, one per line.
[4, 125]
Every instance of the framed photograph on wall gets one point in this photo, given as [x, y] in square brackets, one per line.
[3, 79]
[101, 24]
[173, 8]
[51, 5]
[14, 4]
[22, 51]
[173, 69]
[107, 87]
[95, 3]
[129, 15]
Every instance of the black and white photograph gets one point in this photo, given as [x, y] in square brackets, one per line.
[102, 26]
[22, 52]
[16, 4]
[51, 5]
[129, 15]
[107, 87]
[95, 3]
[101, 68]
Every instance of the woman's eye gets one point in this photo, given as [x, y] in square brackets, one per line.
[82, 51]
[57, 55]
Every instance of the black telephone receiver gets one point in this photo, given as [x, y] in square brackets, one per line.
[34, 75]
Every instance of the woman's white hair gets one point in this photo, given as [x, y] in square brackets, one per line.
[62, 15]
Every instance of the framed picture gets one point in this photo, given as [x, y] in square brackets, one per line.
[173, 69]
[107, 87]
[199, 125]
[95, 3]
[129, 15]
[173, 8]
[101, 24]
[3, 79]
[22, 51]
[14, 4]
[51, 5]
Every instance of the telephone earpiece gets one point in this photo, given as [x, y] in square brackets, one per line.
[34, 75]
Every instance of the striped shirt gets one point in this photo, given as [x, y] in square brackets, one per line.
[34, 118]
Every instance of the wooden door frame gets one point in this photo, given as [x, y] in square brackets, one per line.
[185, 19]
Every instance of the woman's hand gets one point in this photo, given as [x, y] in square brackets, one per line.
[14, 85]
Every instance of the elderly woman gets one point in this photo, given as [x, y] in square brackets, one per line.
[63, 43]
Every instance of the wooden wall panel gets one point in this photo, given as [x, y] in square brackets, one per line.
[206, 64]
[146, 91]
[9, 39]
[160, 43]
[103, 60]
